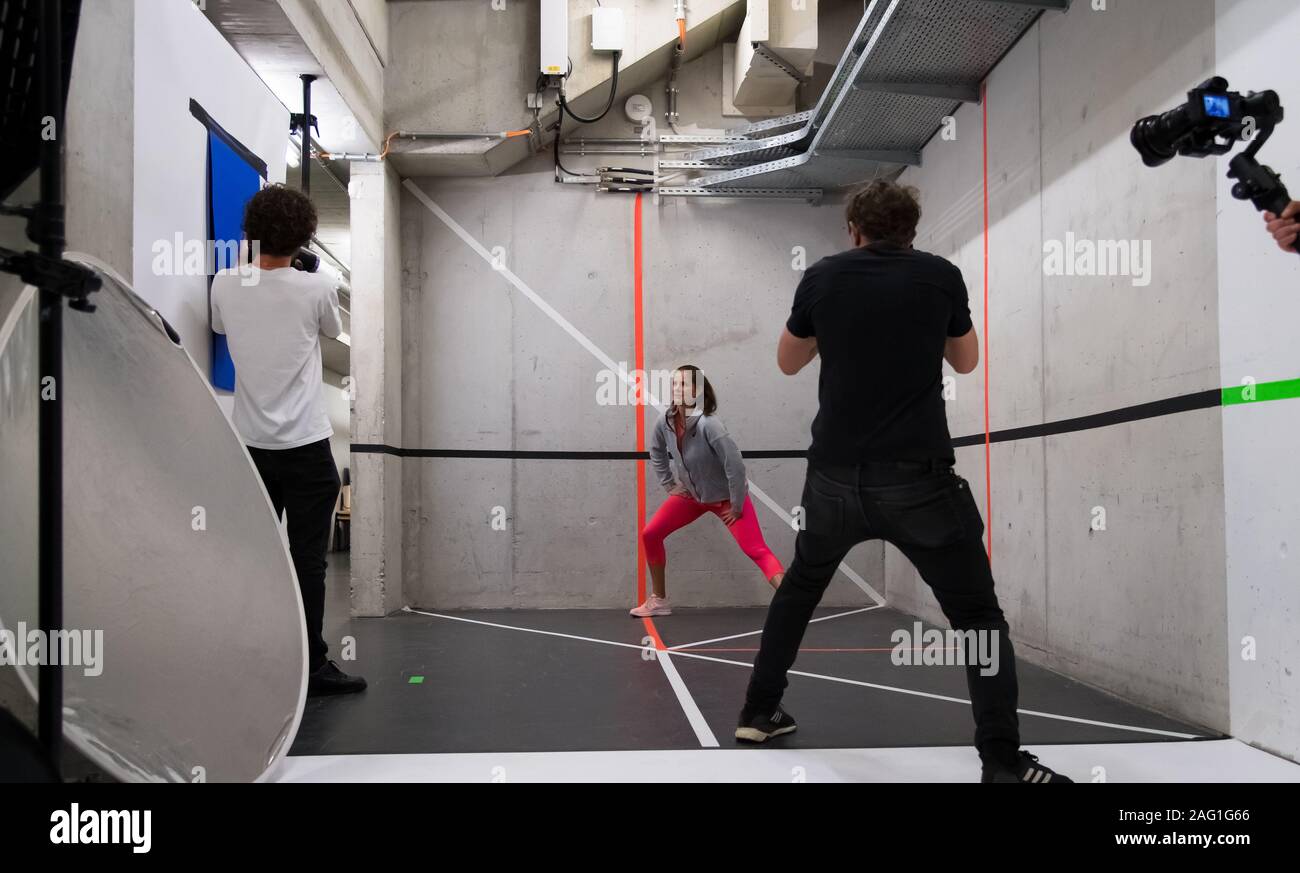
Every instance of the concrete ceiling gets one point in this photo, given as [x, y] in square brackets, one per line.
[486, 157]
[263, 36]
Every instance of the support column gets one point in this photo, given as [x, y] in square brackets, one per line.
[375, 389]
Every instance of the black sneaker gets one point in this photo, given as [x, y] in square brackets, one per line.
[757, 728]
[1027, 770]
[329, 679]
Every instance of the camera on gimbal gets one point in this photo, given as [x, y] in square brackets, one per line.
[1211, 122]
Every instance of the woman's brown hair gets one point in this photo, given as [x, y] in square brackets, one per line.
[697, 377]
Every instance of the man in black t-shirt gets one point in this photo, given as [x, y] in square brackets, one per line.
[883, 317]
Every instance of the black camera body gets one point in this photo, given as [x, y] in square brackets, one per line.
[1210, 123]
[306, 260]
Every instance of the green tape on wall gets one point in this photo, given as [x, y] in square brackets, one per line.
[1285, 390]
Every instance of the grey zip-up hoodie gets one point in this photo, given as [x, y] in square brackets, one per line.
[709, 465]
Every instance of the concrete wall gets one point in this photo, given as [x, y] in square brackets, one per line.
[1258, 309]
[1140, 607]
[484, 368]
[488, 370]
[350, 42]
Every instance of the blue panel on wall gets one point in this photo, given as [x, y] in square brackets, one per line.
[231, 181]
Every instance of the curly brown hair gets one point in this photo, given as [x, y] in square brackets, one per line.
[885, 211]
[280, 219]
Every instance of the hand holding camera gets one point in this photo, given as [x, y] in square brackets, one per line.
[1285, 228]
[1210, 123]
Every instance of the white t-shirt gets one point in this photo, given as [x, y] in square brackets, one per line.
[273, 327]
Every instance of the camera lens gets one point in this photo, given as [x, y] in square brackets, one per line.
[1152, 141]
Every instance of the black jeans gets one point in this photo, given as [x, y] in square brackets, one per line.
[304, 483]
[928, 512]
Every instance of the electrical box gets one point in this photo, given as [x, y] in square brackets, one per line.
[555, 37]
[606, 29]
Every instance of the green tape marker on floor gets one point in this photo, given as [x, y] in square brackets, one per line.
[415, 680]
[1287, 389]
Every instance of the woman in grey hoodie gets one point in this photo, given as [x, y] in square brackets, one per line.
[700, 467]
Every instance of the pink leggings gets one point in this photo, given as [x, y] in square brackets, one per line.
[680, 510]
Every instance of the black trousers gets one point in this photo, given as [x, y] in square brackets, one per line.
[304, 483]
[928, 512]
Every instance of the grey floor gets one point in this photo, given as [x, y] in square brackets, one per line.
[577, 680]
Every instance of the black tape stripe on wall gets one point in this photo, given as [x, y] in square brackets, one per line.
[1155, 409]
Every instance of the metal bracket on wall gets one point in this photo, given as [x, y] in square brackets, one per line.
[909, 64]
[809, 194]
[703, 139]
[773, 123]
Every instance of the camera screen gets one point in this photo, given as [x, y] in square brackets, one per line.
[1217, 106]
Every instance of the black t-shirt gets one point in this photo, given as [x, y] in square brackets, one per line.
[881, 315]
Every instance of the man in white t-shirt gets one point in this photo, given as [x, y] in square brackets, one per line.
[273, 320]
